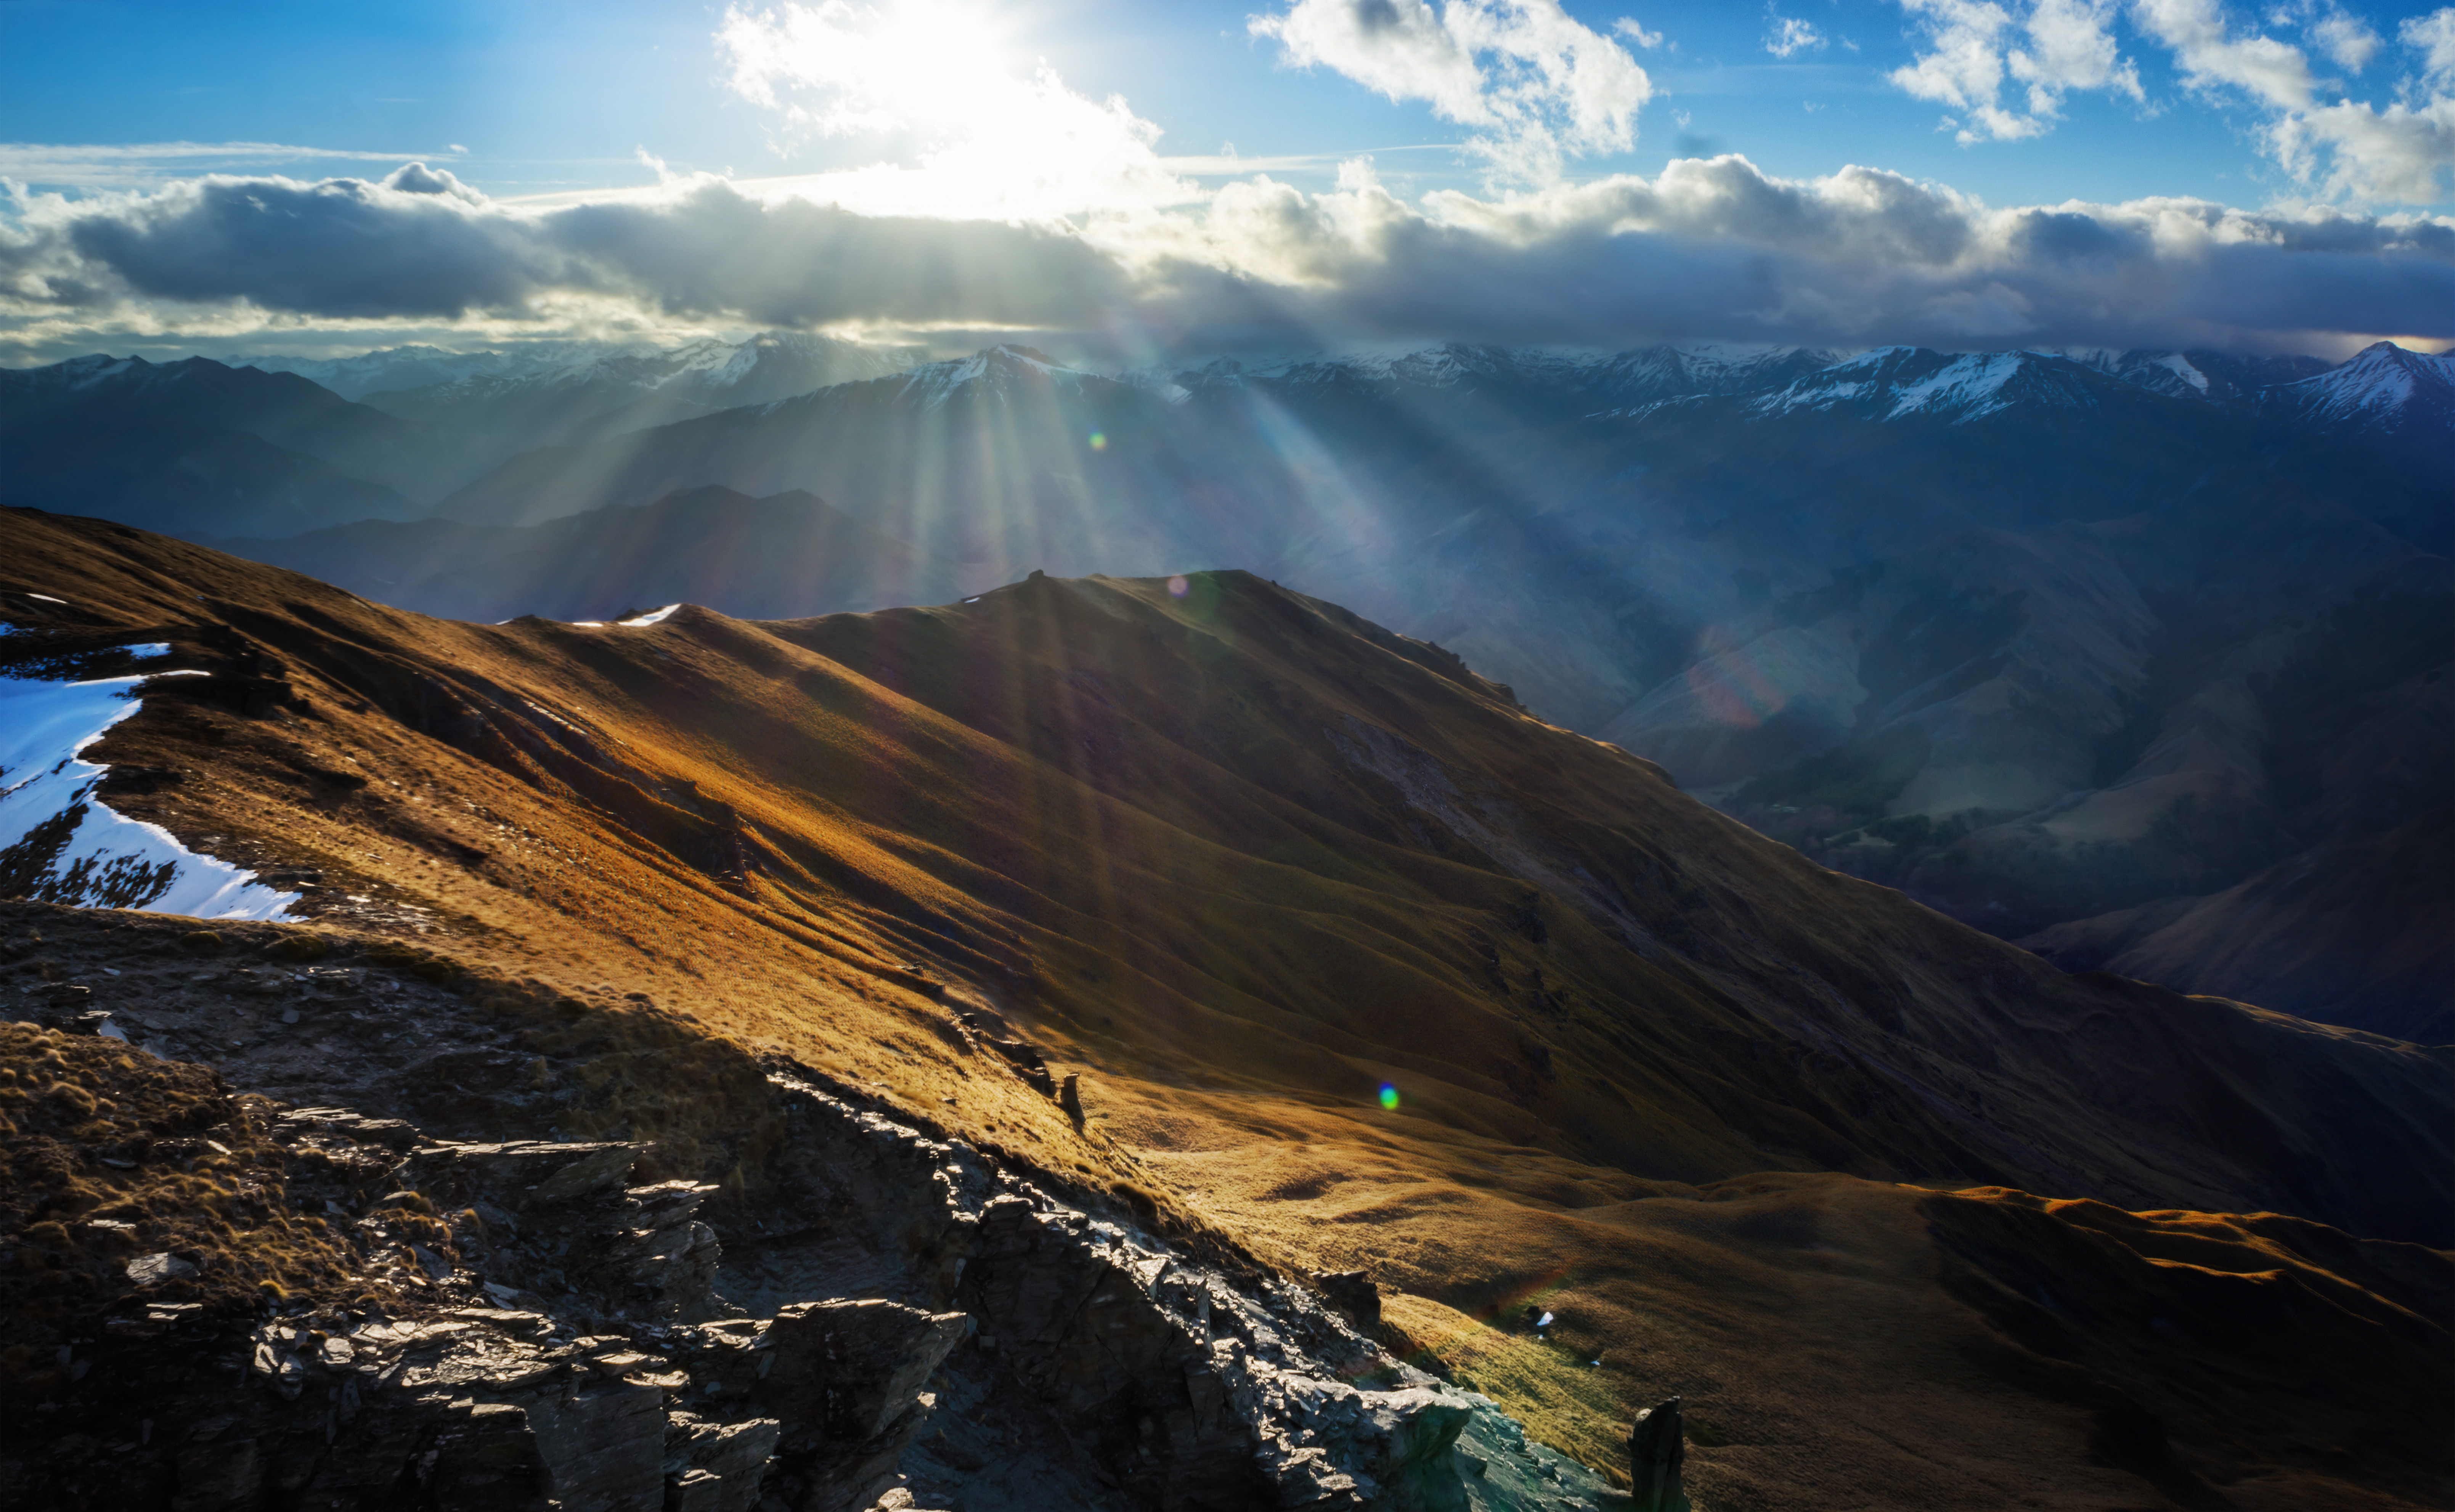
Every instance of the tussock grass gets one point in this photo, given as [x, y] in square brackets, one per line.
[107, 1153]
[1564, 1402]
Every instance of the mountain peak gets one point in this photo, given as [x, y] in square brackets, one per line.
[993, 369]
[2383, 387]
[1896, 383]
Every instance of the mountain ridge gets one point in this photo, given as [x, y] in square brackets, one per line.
[1723, 581]
[1237, 859]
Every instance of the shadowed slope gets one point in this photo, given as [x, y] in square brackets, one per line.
[2354, 933]
[1244, 858]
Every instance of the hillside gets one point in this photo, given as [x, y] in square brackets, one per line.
[1998, 629]
[198, 448]
[2039, 637]
[1242, 860]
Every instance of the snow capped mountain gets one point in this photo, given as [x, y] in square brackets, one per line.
[1586, 382]
[2216, 378]
[76, 372]
[1667, 372]
[1439, 367]
[1896, 383]
[995, 373]
[2383, 389]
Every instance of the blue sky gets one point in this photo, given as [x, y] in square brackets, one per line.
[548, 95]
[1470, 111]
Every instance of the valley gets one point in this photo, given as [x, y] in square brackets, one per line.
[2071, 646]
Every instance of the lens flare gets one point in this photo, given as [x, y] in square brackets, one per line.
[1098, 441]
[1389, 1096]
[1178, 587]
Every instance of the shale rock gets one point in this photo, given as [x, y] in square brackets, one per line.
[1353, 1293]
[894, 1320]
[1656, 1445]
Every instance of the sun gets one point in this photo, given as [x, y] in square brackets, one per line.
[936, 69]
[939, 107]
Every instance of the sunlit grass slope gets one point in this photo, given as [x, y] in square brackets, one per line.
[1357, 960]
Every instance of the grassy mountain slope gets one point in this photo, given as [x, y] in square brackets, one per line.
[1242, 860]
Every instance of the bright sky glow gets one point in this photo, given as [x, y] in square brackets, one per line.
[1305, 144]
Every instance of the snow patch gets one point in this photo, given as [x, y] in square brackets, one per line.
[653, 616]
[2179, 366]
[80, 852]
[1968, 387]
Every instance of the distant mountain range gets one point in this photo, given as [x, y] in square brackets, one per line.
[566, 398]
[707, 371]
[2121, 654]
[271, 447]
[195, 445]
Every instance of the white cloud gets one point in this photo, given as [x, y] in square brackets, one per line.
[2211, 57]
[2340, 147]
[1536, 85]
[1976, 46]
[2433, 37]
[1707, 249]
[2335, 146]
[2345, 38]
[133, 165]
[1631, 28]
[993, 136]
[1785, 36]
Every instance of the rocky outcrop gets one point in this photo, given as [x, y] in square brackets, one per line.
[526, 1322]
[1353, 1293]
[1656, 1445]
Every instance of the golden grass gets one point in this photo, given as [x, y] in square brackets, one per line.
[1180, 872]
[1563, 1400]
[94, 1135]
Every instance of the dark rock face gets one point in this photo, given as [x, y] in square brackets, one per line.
[1353, 1293]
[898, 1322]
[1656, 1445]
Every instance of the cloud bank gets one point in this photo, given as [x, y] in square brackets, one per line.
[1707, 249]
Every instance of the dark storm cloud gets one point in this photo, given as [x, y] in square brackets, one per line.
[421, 244]
[717, 252]
[410, 246]
[1705, 249]
[1720, 249]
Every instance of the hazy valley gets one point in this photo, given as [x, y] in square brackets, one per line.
[2140, 659]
